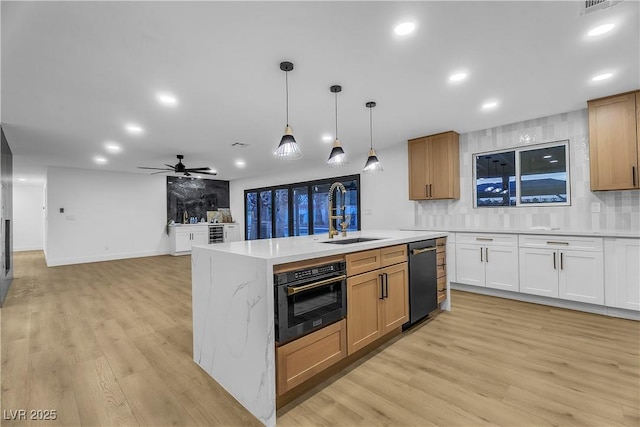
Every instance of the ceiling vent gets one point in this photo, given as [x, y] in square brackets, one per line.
[589, 6]
[239, 145]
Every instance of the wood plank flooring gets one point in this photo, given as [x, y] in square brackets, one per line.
[109, 344]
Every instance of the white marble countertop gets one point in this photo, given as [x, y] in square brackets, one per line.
[542, 231]
[291, 249]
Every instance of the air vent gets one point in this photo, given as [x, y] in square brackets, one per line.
[589, 6]
[239, 145]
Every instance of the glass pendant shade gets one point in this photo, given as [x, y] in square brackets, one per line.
[288, 148]
[373, 164]
[337, 156]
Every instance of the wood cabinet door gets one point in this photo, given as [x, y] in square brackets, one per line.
[539, 272]
[501, 267]
[470, 264]
[364, 322]
[418, 171]
[613, 143]
[444, 173]
[581, 276]
[395, 305]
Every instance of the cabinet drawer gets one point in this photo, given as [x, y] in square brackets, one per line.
[393, 255]
[441, 265]
[361, 262]
[562, 242]
[305, 357]
[442, 283]
[441, 244]
[487, 239]
[442, 295]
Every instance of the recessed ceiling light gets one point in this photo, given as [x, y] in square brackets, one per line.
[404, 28]
[167, 99]
[133, 128]
[100, 160]
[22, 179]
[457, 77]
[602, 76]
[240, 163]
[112, 147]
[489, 105]
[327, 138]
[597, 31]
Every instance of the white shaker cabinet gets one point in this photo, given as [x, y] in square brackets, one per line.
[183, 237]
[487, 260]
[570, 268]
[232, 233]
[622, 273]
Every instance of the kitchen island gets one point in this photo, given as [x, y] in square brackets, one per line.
[233, 307]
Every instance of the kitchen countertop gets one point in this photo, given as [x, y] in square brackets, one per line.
[203, 223]
[291, 249]
[540, 231]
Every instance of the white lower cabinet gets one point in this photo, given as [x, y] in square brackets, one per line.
[487, 260]
[183, 237]
[551, 267]
[622, 273]
[232, 233]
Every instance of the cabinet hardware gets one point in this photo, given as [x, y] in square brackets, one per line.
[386, 285]
[633, 173]
[297, 289]
[484, 239]
[554, 260]
[481, 255]
[561, 261]
[381, 277]
[426, 190]
[486, 254]
[557, 243]
[419, 251]
[430, 190]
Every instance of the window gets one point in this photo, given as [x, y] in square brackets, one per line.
[523, 176]
[300, 209]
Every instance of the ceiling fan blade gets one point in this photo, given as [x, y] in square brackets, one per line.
[208, 173]
[156, 173]
[187, 173]
[170, 166]
[158, 169]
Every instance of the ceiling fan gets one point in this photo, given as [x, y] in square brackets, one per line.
[181, 168]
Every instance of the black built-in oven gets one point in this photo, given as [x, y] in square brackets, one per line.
[308, 299]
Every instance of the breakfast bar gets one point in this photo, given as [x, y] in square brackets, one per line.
[233, 306]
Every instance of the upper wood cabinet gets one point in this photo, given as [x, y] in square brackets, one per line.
[614, 135]
[434, 167]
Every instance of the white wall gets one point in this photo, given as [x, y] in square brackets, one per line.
[384, 194]
[28, 217]
[107, 215]
[619, 210]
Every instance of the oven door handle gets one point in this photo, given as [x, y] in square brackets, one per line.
[297, 289]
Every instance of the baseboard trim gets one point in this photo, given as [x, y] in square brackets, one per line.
[100, 258]
[27, 248]
[560, 303]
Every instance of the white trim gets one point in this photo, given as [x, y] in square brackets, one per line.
[27, 248]
[99, 258]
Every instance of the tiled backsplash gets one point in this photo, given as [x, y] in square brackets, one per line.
[619, 210]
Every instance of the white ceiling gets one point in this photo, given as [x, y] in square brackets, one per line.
[73, 73]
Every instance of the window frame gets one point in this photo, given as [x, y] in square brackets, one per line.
[290, 187]
[518, 150]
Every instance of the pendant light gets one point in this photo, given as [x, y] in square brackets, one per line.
[373, 164]
[288, 148]
[337, 156]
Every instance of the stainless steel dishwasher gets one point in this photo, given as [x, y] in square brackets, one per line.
[423, 284]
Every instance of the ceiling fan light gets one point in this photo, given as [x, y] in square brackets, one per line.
[288, 148]
[337, 156]
[373, 164]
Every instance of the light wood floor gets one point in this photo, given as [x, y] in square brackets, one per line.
[110, 344]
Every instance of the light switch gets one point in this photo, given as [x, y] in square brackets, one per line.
[61, 210]
[595, 207]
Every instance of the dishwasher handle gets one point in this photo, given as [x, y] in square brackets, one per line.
[419, 251]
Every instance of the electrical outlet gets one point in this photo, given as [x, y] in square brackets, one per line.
[595, 207]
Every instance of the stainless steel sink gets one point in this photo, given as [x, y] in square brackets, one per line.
[352, 240]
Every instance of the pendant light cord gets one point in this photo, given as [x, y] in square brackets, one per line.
[286, 80]
[336, 115]
[371, 127]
